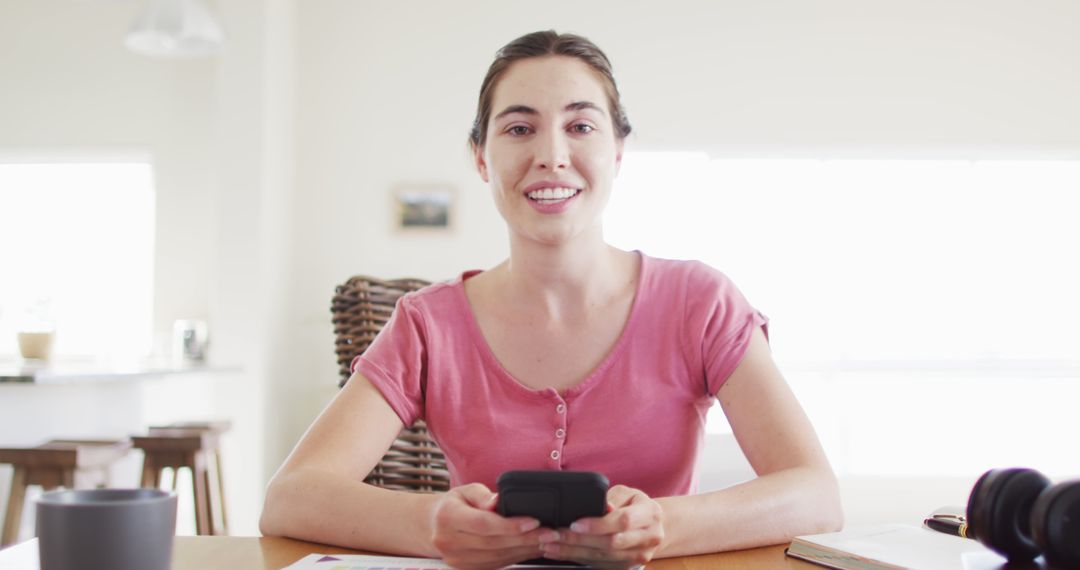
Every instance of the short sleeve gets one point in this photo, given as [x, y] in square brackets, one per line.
[728, 322]
[396, 361]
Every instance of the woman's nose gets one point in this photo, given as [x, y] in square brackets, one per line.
[553, 152]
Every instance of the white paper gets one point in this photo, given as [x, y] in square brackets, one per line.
[362, 562]
[365, 562]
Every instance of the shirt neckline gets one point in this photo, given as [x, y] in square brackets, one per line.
[546, 393]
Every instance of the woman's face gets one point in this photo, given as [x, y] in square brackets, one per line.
[551, 152]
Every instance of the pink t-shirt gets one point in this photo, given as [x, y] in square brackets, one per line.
[638, 418]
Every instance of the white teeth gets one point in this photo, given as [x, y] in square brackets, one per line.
[552, 194]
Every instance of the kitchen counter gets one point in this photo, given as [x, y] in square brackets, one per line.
[84, 371]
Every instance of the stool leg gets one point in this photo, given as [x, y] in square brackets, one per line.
[13, 518]
[151, 475]
[211, 527]
[221, 491]
[197, 461]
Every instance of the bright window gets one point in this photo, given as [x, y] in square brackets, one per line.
[76, 244]
[880, 261]
[897, 289]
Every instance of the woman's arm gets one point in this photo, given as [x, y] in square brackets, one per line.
[795, 491]
[318, 494]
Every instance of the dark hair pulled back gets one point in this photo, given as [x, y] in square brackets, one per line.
[540, 44]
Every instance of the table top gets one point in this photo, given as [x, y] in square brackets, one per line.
[255, 553]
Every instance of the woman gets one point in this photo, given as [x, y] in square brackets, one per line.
[571, 354]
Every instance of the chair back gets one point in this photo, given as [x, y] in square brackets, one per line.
[360, 308]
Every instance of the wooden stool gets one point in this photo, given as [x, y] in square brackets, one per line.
[71, 464]
[215, 428]
[196, 446]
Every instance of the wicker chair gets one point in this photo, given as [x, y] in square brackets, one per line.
[360, 308]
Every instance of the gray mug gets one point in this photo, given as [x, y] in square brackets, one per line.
[114, 529]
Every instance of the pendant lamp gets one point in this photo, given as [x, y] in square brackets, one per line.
[175, 29]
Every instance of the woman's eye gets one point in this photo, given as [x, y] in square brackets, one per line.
[518, 130]
[582, 128]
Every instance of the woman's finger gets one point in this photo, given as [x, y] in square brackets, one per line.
[620, 495]
[476, 494]
[636, 511]
[534, 538]
[627, 540]
[468, 514]
[620, 520]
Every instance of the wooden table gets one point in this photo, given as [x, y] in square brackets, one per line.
[252, 553]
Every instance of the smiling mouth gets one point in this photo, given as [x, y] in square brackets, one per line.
[552, 195]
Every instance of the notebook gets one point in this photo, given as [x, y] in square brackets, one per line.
[896, 546]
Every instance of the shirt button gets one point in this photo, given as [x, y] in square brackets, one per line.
[555, 454]
[559, 433]
[560, 408]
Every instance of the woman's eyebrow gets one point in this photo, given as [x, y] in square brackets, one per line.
[526, 110]
[517, 109]
[582, 105]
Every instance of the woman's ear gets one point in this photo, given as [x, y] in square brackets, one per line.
[618, 155]
[478, 160]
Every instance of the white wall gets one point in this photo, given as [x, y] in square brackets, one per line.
[252, 299]
[263, 210]
[68, 84]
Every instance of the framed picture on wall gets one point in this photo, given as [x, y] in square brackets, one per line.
[423, 206]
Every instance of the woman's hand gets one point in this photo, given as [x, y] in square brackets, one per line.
[470, 534]
[628, 536]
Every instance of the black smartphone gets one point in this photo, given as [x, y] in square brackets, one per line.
[555, 498]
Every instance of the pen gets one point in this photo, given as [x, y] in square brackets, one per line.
[947, 525]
